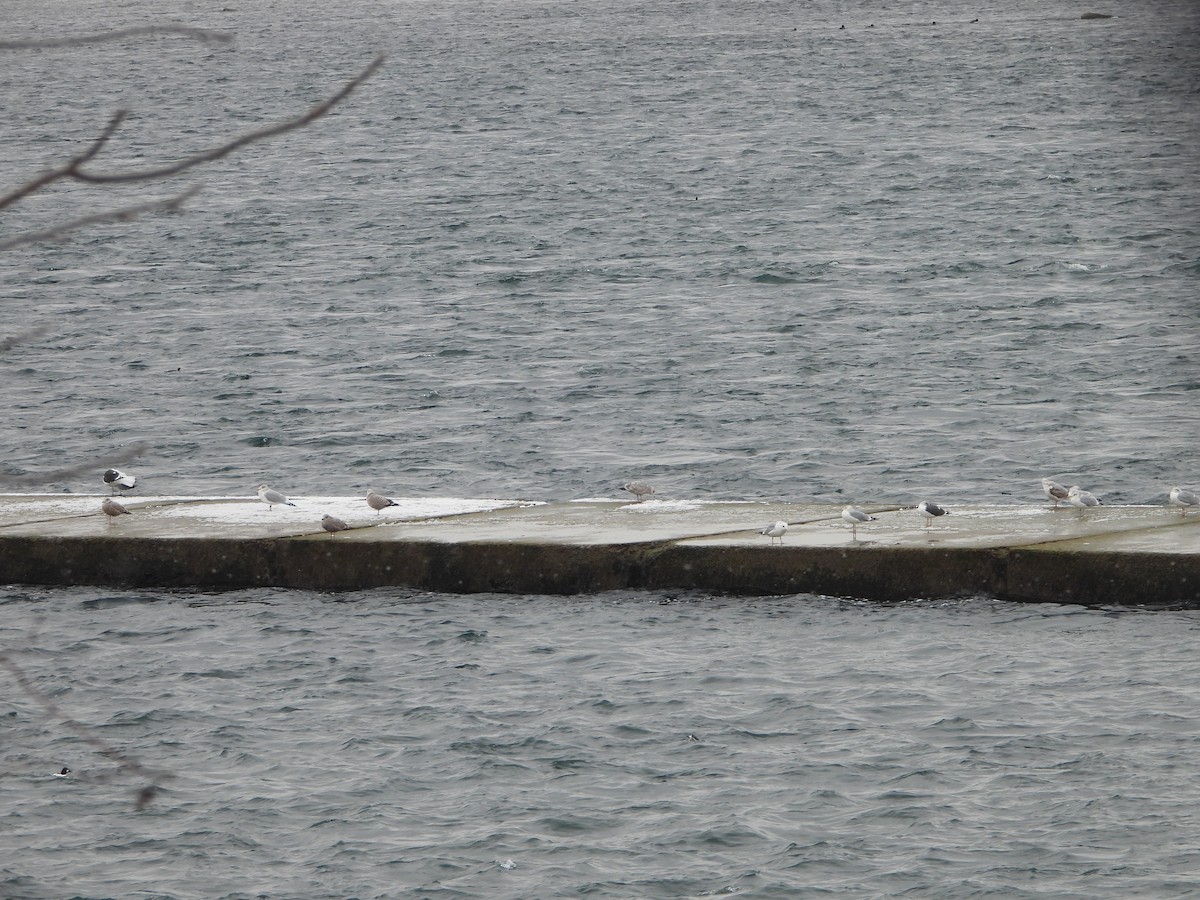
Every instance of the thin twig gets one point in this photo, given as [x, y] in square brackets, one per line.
[207, 35]
[225, 149]
[57, 475]
[72, 169]
[123, 760]
[24, 337]
[66, 170]
[124, 214]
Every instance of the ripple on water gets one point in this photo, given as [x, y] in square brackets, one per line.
[770, 743]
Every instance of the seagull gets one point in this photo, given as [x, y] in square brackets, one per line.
[270, 497]
[112, 509]
[1080, 498]
[1054, 490]
[639, 489]
[856, 517]
[119, 481]
[775, 531]
[333, 523]
[930, 511]
[378, 502]
[1183, 499]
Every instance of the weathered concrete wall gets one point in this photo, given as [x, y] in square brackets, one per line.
[886, 574]
[1142, 556]
[1103, 578]
[883, 573]
[453, 568]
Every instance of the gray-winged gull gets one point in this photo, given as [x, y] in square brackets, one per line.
[119, 481]
[271, 498]
[639, 489]
[775, 530]
[1054, 490]
[112, 509]
[379, 502]
[931, 511]
[1080, 498]
[1183, 499]
[856, 517]
[333, 523]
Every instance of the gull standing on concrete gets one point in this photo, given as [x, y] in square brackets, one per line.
[112, 509]
[119, 481]
[271, 498]
[333, 523]
[1183, 499]
[379, 502]
[639, 489]
[775, 530]
[856, 517]
[1080, 498]
[1054, 490]
[931, 511]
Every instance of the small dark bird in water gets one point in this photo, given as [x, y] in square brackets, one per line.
[112, 509]
[333, 523]
[930, 511]
[119, 481]
[63, 773]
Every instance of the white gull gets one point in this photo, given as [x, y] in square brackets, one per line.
[1080, 498]
[775, 530]
[856, 517]
[1183, 499]
[272, 498]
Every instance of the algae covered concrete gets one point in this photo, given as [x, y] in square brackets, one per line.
[1111, 555]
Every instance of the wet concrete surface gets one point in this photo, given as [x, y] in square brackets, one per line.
[1109, 555]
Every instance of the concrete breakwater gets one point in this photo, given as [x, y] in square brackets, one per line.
[1109, 555]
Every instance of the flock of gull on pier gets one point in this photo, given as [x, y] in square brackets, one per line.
[1073, 496]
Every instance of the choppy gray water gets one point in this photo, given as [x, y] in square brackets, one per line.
[388, 744]
[730, 248]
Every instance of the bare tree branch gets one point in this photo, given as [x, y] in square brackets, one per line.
[72, 169]
[65, 171]
[24, 337]
[124, 214]
[40, 478]
[225, 149]
[207, 35]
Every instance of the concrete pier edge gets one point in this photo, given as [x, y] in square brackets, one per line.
[508, 555]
